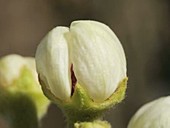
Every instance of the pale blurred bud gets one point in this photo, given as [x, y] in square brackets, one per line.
[18, 74]
[155, 114]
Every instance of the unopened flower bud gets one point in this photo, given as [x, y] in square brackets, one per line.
[18, 74]
[88, 53]
[82, 69]
[155, 114]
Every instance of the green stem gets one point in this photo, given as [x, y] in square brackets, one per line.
[77, 115]
[94, 124]
[18, 110]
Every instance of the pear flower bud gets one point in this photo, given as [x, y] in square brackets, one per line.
[18, 74]
[88, 53]
[11, 67]
[155, 114]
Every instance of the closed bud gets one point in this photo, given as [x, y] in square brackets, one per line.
[82, 69]
[88, 53]
[155, 114]
[18, 75]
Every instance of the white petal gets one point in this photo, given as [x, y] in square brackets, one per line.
[155, 114]
[98, 58]
[10, 67]
[52, 62]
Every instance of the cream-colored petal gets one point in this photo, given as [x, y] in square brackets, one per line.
[10, 68]
[155, 114]
[53, 63]
[98, 58]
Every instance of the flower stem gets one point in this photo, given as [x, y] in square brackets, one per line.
[94, 124]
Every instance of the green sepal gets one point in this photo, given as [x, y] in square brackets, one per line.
[27, 85]
[81, 107]
[24, 83]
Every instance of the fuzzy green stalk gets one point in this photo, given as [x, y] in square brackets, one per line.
[94, 124]
[81, 108]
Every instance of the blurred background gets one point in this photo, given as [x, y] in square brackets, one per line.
[143, 27]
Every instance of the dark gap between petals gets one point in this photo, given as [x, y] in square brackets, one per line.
[73, 80]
